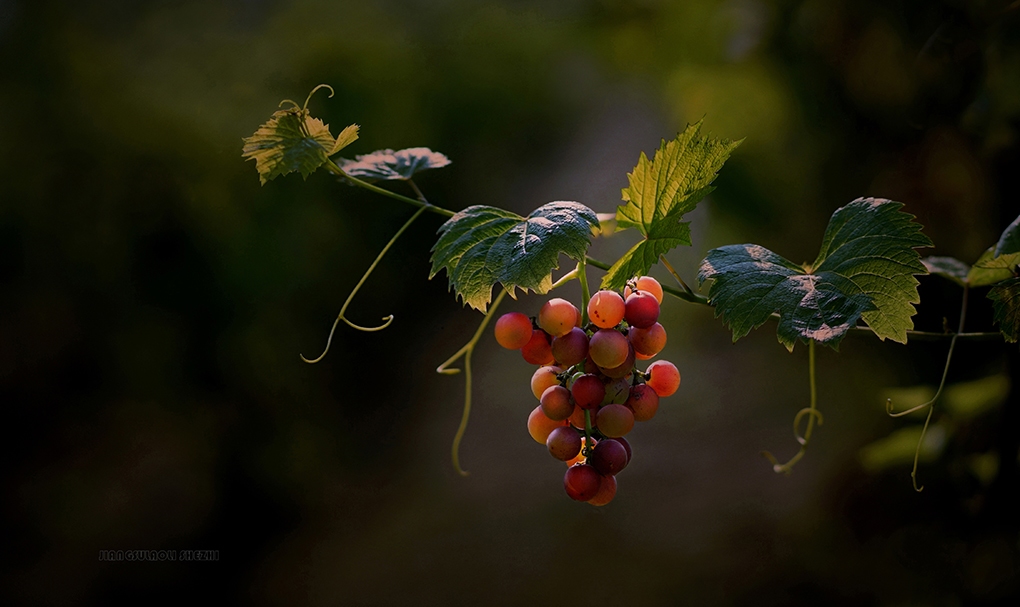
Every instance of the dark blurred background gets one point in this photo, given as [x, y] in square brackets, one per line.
[154, 300]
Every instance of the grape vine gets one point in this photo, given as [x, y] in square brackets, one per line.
[589, 389]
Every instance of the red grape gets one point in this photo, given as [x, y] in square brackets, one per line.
[626, 445]
[570, 348]
[537, 350]
[564, 443]
[649, 341]
[643, 401]
[557, 316]
[543, 378]
[642, 309]
[663, 377]
[608, 457]
[606, 492]
[615, 420]
[581, 482]
[580, 459]
[606, 309]
[649, 284]
[540, 426]
[556, 403]
[513, 330]
[624, 369]
[588, 391]
[608, 348]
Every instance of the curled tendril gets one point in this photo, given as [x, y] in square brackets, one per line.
[800, 415]
[313, 91]
[466, 351]
[812, 413]
[386, 319]
[942, 384]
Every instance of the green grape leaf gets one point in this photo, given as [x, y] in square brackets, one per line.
[1005, 298]
[642, 256]
[660, 192]
[292, 141]
[989, 269]
[865, 270]
[947, 267]
[1009, 242]
[346, 137]
[483, 245]
[387, 164]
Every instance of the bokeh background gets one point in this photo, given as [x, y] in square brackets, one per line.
[154, 300]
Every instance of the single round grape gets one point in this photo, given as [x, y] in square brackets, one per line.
[663, 377]
[649, 284]
[542, 378]
[642, 309]
[564, 443]
[608, 348]
[606, 309]
[626, 445]
[571, 348]
[647, 342]
[513, 330]
[617, 391]
[557, 316]
[608, 457]
[624, 369]
[581, 482]
[606, 492]
[540, 426]
[588, 391]
[643, 401]
[556, 403]
[537, 351]
[615, 420]
[580, 459]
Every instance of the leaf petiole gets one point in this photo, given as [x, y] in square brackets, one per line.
[336, 170]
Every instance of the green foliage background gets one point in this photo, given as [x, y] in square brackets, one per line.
[154, 299]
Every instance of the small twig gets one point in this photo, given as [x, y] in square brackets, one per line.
[812, 414]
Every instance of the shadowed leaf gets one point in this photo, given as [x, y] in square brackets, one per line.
[865, 269]
[387, 164]
[1005, 298]
[483, 245]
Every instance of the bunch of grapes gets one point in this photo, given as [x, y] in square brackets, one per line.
[588, 387]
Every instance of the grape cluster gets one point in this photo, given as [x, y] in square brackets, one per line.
[587, 384]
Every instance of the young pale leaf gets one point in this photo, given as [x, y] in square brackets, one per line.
[1009, 242]
[291, 141]
[947, 267]
[387, 164]
[1005, 298]
[865, 269]
[989, 269]
[660, 192]
[483, 245]
[346, 137]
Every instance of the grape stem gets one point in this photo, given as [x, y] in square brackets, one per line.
[585, 292]
[688, 296]
[812, 414]
[931, 404]
[676, 276]
[466, 351]
[343, 309]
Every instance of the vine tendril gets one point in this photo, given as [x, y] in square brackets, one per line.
[931, 403]
[313, 91]
[466, 351]
[812, 414]
[343, 309]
